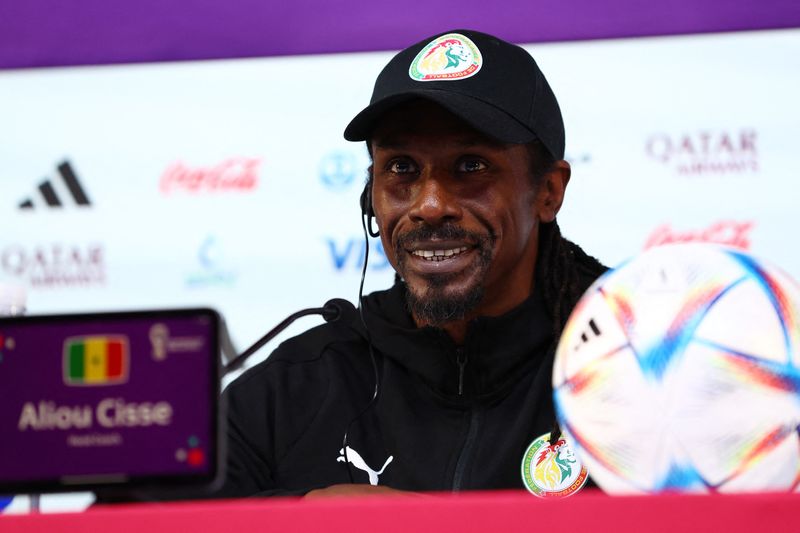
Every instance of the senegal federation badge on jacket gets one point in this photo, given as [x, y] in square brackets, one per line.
[552, 470]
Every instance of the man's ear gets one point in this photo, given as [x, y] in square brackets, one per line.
[552, 187]
[366, 196]
[367, 209]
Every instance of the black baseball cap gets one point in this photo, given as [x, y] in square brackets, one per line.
[493, 85]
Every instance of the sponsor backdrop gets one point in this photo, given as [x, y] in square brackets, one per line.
[228, 183]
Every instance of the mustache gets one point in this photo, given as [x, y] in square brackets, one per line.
[445, 232]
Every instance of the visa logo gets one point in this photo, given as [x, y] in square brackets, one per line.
[349, 254]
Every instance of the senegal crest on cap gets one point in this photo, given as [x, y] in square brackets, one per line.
[552, 470]
[448, 57]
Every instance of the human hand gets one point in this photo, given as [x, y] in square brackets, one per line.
[352, 489]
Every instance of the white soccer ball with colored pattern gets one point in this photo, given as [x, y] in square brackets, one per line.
[680, 371]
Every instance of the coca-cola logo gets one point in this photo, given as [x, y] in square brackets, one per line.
[55, 265]
[233, 174]
[706, 152]
[730, 232]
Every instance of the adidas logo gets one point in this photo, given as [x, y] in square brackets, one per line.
[48, 190]
[587, 335]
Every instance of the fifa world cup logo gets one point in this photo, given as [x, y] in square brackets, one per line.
[159, 338]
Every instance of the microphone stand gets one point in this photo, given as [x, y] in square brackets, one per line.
[330, 312]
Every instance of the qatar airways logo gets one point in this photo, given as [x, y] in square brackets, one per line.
[55, 265]
[729, 232]
[706, 152]
[233, 174]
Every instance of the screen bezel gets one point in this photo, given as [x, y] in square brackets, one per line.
[206, 481]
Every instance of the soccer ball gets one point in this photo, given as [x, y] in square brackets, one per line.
[680, 371]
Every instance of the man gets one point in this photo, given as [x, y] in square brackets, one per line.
[444, 379]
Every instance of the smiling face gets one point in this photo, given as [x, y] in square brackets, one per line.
[458, 213]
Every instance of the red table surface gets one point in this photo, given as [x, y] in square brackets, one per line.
[483, 511]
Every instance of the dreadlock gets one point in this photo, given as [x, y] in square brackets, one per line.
[566, 272]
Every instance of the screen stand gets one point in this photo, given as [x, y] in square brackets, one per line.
[35, 500]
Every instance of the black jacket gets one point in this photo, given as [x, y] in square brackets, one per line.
[450, 418]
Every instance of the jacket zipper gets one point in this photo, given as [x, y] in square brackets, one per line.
[466, 452]
[461, 360]
[472, 429]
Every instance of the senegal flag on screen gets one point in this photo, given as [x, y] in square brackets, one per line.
[96, 360]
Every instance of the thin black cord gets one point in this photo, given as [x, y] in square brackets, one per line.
[369, 344]
[555, 433]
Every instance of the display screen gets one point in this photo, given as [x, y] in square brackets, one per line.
[111, 399]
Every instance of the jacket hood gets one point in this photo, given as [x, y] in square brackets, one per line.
[496, 349]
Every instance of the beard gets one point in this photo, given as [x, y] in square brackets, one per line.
[435, 304]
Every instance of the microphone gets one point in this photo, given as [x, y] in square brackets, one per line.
[332, 311]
